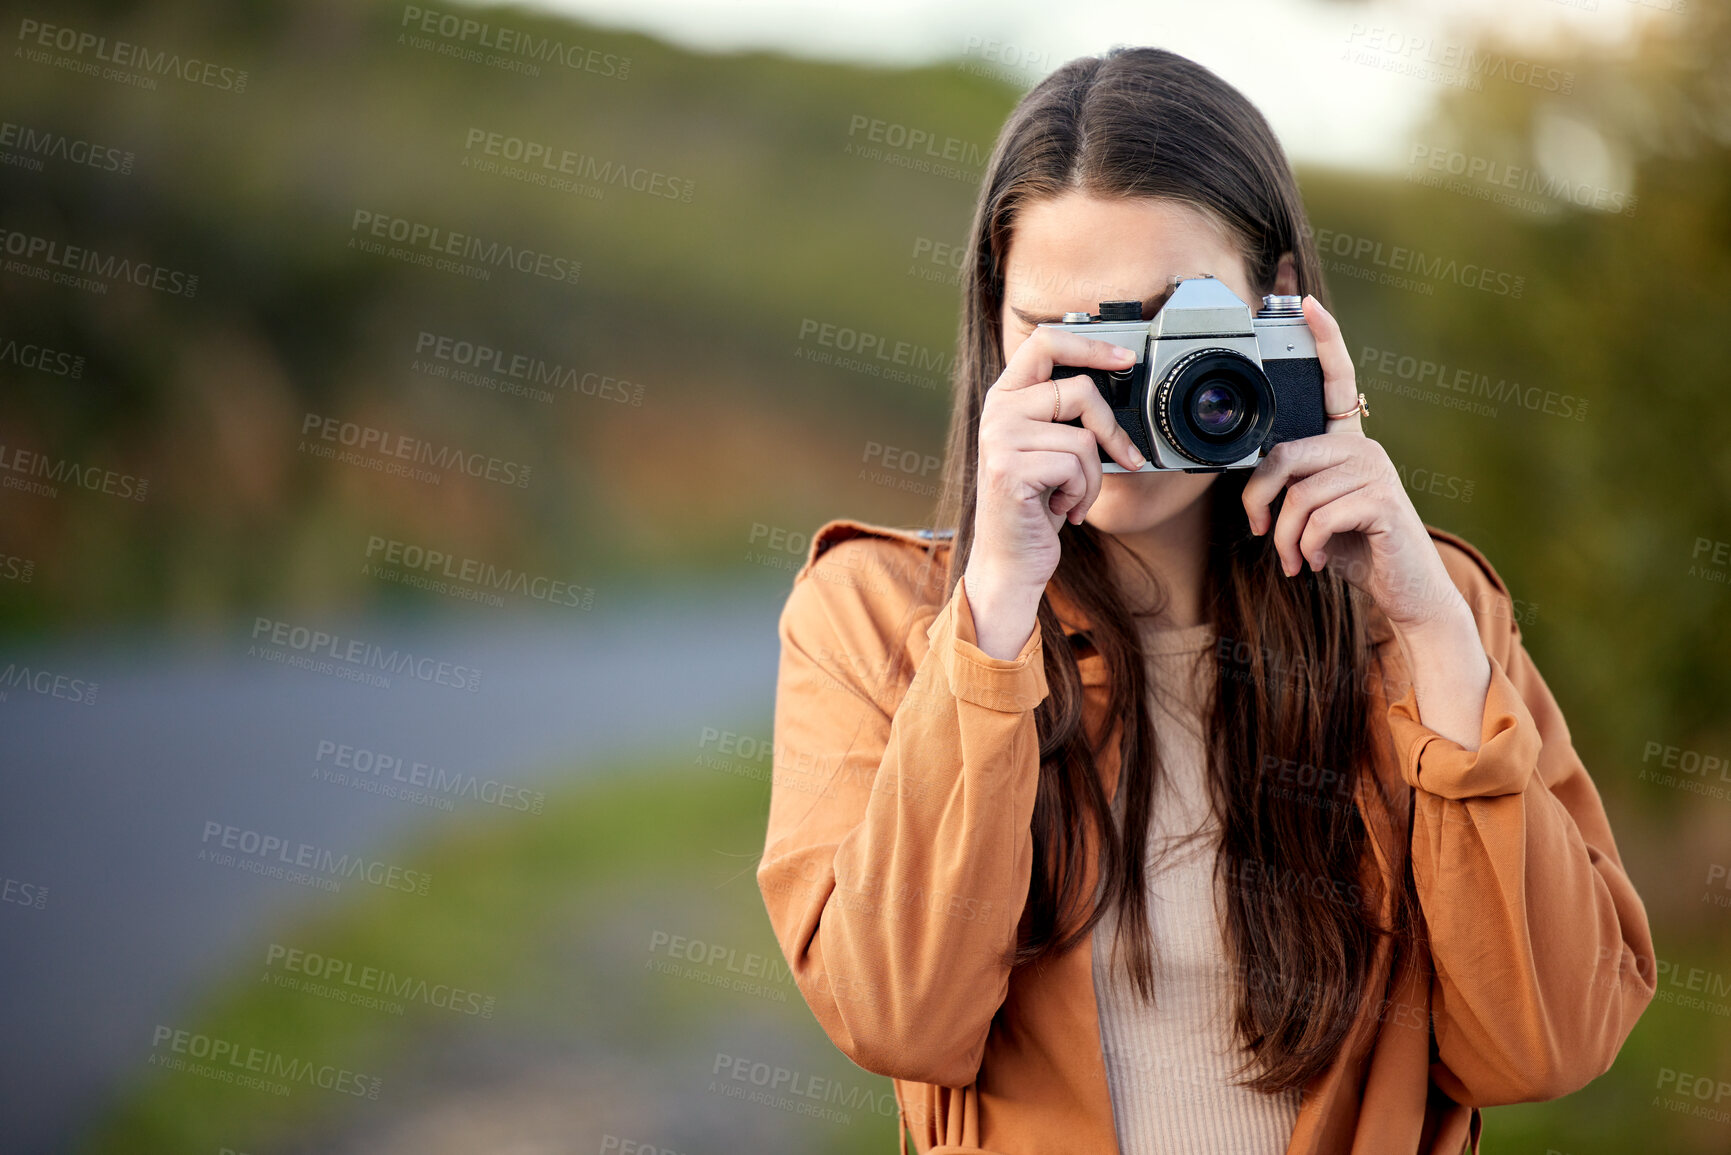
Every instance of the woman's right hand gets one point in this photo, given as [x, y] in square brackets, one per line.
[1034, 474]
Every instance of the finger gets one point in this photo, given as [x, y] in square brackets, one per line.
[1025, 475]
[1044, 435]
[1079, 398]
[1038, 436]
[1357, 512]
[1293, 460]
[1303, 499]
[1034, 358]
[1339, 380]
[1092, 473]
[1061, 474]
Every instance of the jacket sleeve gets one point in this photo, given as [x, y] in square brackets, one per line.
[899, 846]
[1542, 952]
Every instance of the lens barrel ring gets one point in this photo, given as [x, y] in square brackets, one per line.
[1262, 398]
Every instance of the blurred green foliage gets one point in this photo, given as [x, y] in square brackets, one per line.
[1597, 524]
[593, 1012]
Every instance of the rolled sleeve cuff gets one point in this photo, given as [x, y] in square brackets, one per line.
[1011, 686]
[1507, 756]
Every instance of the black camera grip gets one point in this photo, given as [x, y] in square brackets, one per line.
[1118, 395]
[1298, 410]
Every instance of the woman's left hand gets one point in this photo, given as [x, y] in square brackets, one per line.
[1347, 508]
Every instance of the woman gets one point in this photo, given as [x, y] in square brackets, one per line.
[1173, 812]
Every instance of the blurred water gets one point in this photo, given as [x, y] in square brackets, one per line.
[106, 804]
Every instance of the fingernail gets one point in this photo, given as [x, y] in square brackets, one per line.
[1124, 354]
[1138, 460]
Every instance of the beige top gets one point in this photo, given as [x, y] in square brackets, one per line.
[1171, 1066]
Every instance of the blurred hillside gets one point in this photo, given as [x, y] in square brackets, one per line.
[612, 314]
[680, 419]
[695, 303]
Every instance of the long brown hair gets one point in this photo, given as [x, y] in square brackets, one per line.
[1300, 923]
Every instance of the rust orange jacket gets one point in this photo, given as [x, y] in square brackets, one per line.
[899, 851]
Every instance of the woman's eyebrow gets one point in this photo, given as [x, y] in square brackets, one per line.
[1150, 306]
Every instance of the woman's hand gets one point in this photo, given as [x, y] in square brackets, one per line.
[1034, 474]
[1347, 508]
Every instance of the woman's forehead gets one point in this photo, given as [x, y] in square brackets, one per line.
[1076, 250]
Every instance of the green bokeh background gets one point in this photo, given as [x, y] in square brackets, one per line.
[1596, 524]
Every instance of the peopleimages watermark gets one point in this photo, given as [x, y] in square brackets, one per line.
[1457, 387]
[90, 54]
[17, 892]
[1419, 479]
[41, 358]
[353, 659]
[907, 470]
[17, 569]
[87, 269]
[1718, 875]
[1407, 268]
[1702, 1096]
[1689, 987]
[718, 965]
[397, 776]
[719, 749]
[45, 683]
[503, 371]
[435, 247]
[398, 454]
[29, 148]
[772, 1085]
[1482, 178]
[301, 862]
[937, 261]
[1682, 768]
[439, 569]
[776, 547]
[1454, 64]
[230, 1062]
[762, 760]
[1710, 560]
[560, 169]
[1004, 61]
[842, 347]
[31, 472]
[615, 1145]
[498, 46]
[915, 149]
[375, 988]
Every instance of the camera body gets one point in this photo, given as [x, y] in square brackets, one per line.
[1212, 388]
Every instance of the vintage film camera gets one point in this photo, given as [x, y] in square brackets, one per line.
[1213, 387]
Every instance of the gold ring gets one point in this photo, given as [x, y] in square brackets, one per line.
[1362, 409]
[1057, 400]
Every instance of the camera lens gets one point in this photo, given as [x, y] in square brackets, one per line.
[1216, 410]
[1213, 405]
